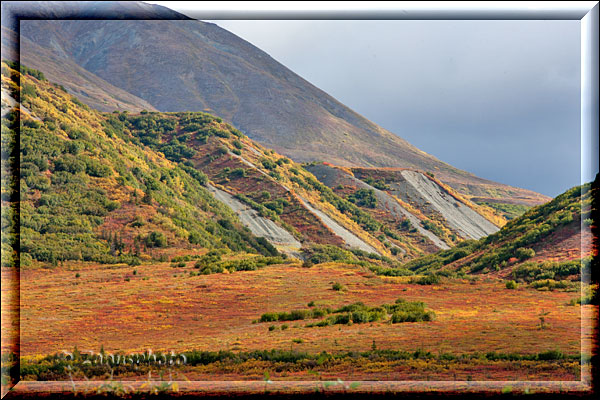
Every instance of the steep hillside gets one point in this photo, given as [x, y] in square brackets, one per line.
[88, 195]
[86, 86]
[400, 189]
[127, 187]
[91, 89]
[242, 171]
[195, 66]
[546, 244]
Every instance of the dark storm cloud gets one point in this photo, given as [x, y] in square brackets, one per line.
[499, 99]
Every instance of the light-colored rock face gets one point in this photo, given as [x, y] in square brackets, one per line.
[391, 205]
[9, 103]
[468, 223]
[259, 226]
[332, 176]
[349, 238]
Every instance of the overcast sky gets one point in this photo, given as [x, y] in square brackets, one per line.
[499, 99]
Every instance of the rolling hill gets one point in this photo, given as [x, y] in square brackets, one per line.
[188, 65]
[548, 246]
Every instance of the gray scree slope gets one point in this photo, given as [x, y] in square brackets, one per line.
[258, 225]
[331, 176]
[468, 223]
[348, 237]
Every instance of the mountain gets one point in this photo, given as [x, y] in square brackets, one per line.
[180, 215]
[196, 66]
[550, 244]
[93, 90]
[88, 195]
[199, 183]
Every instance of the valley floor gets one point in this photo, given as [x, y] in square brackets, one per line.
[132, 309]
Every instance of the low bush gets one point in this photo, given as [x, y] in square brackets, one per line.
[523, 253]
[156, 239]
[551, 284]
[430, 279]
[511, 285]
[358, 313]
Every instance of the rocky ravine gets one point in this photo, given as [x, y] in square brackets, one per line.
[419, 188]
[332, 176]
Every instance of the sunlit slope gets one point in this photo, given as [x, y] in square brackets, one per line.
[87, 194]
[548, 242]
[198, 66]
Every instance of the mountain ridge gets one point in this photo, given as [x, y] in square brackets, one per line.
[272, 196]
[221, 73]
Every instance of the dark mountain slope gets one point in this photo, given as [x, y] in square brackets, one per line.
[191, 65]
[88, 87]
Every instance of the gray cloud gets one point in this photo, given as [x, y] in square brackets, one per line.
[496, 98]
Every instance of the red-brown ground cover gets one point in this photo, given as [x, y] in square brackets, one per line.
[163, 308]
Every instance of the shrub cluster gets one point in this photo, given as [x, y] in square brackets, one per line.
[551, 284]
[531, 271]
[429, 279]
[211, 263]
[295, 315]
[357, 313]
[363, 198]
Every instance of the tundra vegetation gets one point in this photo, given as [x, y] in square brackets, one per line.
[115, 207]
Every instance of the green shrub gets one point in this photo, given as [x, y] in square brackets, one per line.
[269, 317]
[524, 253]
[430, 279]
[360, 317]
[180, 264]
[38, 182]
[364, 198]
[511, 285]
[550, 355]
[268, 164]
[378, 184]
[337, 286]
[156, 239]
[69, 163]
[238, 173]
[341, 319]
[551, 284]
[410, 316]
[433, 227]
[96, 169]
[318, 254]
